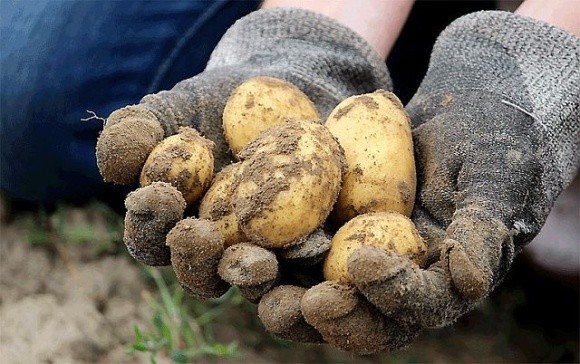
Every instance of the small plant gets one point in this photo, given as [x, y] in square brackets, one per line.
[183, 332]
[37, 227]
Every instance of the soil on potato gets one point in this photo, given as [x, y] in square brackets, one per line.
[72, 303]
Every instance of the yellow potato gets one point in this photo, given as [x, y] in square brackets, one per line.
[386, 230]
[288, 183]
[260, 103]
[216, 205]
[185, 160]
[375, 132]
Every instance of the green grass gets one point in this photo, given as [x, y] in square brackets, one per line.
[183, 330]
[95, 226]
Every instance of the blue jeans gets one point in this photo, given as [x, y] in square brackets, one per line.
[62, 58]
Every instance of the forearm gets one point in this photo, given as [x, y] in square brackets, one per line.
[561, 13]
[379, 22]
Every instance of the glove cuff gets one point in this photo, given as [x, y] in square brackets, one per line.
[325, 59]
[527, 64]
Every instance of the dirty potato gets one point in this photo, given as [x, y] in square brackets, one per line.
[185, 160]
[260, 103]
[386, 230]
[375, 132]
[216, 205]
[288, 183]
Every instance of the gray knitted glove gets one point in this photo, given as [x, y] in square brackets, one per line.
[496, 139]
[327, 61]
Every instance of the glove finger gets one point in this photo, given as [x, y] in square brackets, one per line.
[437, 170]
[347, 321]
[196, 248]
[469, 258]
[279, 311]
[250, 267]
[129, 136]
[151, 212]
[480, 249]
[400, 289]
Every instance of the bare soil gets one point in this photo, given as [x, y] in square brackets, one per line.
[68, 302]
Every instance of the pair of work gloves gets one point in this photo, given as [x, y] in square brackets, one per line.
[496, 134]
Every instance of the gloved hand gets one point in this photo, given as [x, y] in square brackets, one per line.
[327, 61]
[496, 133]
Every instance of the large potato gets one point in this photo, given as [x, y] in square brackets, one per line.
[185, 160]
[260, 103]
[289, 180]
[375, 132]
[386, 230]
[216, 205]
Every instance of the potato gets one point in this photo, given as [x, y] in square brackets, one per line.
[260, 103]
[386, 230]
[375, 132]
[184, 160]
[216, 205]
[288, 183]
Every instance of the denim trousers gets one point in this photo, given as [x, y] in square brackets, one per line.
[62, 58]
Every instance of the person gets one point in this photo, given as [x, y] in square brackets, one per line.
[62, 58]
[495, 122]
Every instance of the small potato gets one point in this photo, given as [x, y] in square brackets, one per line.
[216, 205]
[184, 160]
[375, 132]
[386, 230]
[288, 183]
[260, 103]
